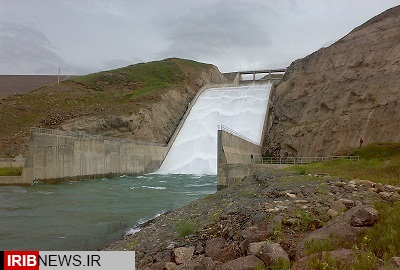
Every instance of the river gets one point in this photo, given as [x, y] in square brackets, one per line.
[89, 214]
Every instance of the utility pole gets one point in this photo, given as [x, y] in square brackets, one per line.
[58, 77]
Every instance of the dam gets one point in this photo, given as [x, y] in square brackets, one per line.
[242, 109]
[195, 147]
[104, 209]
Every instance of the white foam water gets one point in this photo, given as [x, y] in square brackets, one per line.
[195, 148]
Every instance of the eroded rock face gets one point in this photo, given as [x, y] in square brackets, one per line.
[339, 94]
[157, 118]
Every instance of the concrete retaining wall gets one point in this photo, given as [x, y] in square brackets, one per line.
[233, 149]
[12, 180]
[59, 156]
[234, 157]
[12, 164]
[16, 162]
[230, 174]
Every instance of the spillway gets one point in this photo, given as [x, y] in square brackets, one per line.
[242, 109]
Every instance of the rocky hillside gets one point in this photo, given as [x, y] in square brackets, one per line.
[274, 221]
[143, 101]
[339, 94]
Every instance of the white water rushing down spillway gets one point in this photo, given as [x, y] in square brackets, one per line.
[240, 108]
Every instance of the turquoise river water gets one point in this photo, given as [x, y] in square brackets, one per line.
[89, 214]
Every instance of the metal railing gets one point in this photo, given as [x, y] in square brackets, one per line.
[300, 160]
[8, 160]
[89, 136]
[237, 134]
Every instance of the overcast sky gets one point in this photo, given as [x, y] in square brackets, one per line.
[84, 36]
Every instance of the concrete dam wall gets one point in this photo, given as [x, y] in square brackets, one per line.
[234, 157]
[57, 155]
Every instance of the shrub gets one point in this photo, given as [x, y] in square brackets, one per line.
[185, 227]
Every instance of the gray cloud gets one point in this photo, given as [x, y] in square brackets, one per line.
[218, 29]
[26, 49]
[83, 36]
[30, 52]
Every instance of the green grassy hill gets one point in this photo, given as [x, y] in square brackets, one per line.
[119, 92]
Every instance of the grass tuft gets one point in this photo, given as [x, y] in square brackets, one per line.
[10, 171]
[185, 227]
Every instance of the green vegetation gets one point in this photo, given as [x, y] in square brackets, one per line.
[9, 171]
[185, 227]
[383, 239]
[281, 264]
[260, 266]
[315, 246]
[155, 74]
[277, 233]
[378, 162]
[380, 243]
[119, 92]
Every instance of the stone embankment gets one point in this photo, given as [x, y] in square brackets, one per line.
[267, 220]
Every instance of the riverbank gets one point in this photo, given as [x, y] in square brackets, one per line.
[229, 229]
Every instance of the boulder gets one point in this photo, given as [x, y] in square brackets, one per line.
[364, 216]
[347, 202]
[200, 262]
[332, 213]
[170, 266]
[271, 252]
[385, 195]
[395, 261]
[163, 256]
[183, 254]
[242, 263]
[338, 206]
[254, 234]
[338, 228]
[155, 266]
[255, 248]
[219, 249]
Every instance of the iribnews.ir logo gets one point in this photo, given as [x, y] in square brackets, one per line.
[10, 260]
[31, 260]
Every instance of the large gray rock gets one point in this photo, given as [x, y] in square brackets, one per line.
[339, 228]
[395, 261]
[365, 216]
[198, 263]
[254, 234]
[255, 248]
[338, 206]
[219, 249]
[183, 254]
[242, 263]
[271, 252]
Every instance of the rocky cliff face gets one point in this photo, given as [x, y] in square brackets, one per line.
[330, 99]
